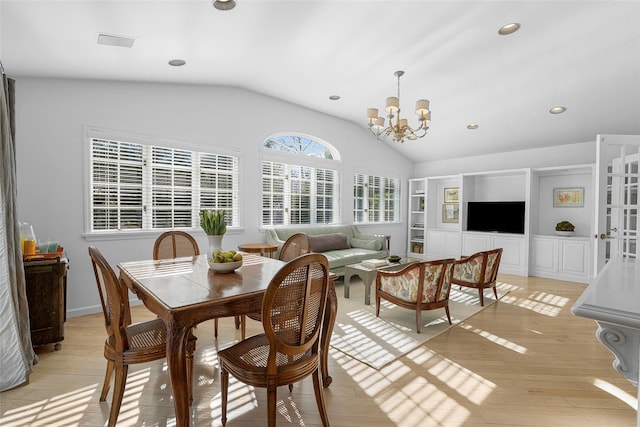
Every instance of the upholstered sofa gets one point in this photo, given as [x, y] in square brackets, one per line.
[341, 244]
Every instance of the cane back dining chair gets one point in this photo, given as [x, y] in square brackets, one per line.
[419, 286]
[288, 350]
[127, 343]
[478, 271]
[296, 245]
[174, 244]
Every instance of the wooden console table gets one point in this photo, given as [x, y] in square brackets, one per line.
[46, 286]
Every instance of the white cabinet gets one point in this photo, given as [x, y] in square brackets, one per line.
[514, 255]
[562, 258]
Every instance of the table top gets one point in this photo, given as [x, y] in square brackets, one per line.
[188, 281]
[258, 247]
[614, 295]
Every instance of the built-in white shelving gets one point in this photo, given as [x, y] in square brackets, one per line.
[438, 223]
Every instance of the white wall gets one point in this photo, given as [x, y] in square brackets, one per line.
[51, 116]
[563, 155]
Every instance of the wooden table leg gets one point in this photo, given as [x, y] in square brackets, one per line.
[330, 314]
[177, 365]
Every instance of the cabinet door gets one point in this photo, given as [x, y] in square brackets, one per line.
[513, 254]
[574, 258]
[544, 255]
[45, 282]
[472, 243]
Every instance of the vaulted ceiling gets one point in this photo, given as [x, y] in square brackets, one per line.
[582, 55]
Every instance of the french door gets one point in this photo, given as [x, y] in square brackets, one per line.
[617, 206]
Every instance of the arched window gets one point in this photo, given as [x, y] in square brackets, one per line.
[299, 144]
[300, 181]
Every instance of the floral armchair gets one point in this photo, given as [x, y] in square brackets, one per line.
[430, 280]
[478, 271]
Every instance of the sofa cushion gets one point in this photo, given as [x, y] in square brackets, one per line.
[328, 242]
[374, 245]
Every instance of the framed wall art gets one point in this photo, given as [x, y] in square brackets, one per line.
[451, 212]
[451, 195]
[568, 197]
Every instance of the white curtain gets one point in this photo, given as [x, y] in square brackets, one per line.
[16, 352]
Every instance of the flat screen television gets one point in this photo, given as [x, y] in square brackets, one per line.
[501, 217]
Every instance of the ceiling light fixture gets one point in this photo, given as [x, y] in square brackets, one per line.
[557, 110]
[334, 97]
[401, 129]
[177, 62]
[224, 4]
[472, 126]
[505, 30]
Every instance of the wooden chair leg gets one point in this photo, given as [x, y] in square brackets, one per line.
[481, 293]
[272, 400]
[215, 328]
[107, 381]
[224, 389]
[243, 327]
[418, 320]
[446, 309]
[320, 398]
[495, 292]
[118, 393]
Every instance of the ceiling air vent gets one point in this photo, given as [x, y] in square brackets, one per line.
[113, 40]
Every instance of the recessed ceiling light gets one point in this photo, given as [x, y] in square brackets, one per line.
[177, 62]
[509, 29]
[334, 97]
[557, 110]
[224, 4]
[472, 126]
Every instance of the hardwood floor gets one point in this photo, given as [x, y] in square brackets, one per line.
[525, 361]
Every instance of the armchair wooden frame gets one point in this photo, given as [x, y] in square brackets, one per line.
[485, 275]
[438, 281]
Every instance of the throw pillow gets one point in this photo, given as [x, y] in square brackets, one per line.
[328, 242]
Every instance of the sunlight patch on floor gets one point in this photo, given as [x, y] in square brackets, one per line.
[397, 398]
[58, 409]
[617, 393]
[496, 339]
[543, 303]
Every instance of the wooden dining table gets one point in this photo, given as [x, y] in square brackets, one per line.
[184, 292]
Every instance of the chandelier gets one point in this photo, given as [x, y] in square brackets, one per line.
[399, 130]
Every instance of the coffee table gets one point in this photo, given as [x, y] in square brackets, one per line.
[368, 275]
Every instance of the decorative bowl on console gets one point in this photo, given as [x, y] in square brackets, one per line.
[394, 258]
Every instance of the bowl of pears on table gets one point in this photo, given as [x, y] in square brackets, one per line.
[225, 261]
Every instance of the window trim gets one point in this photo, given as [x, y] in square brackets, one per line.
[299, 159]
[398, 220]
[109, 134]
